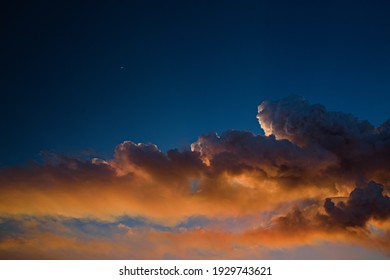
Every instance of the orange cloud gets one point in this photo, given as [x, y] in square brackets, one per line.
[302, 184]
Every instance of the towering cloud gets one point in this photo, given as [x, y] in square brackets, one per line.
[304, 124]
[360, 148]
[300, 184]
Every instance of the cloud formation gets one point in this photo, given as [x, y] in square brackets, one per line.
[360, 147]
[363, 204]
[233, 195]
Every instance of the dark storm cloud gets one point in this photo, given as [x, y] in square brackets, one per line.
[364, 203]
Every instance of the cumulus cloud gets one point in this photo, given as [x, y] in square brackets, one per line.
[237, 152]
[297, 120]
[359, 147]
[363, 204]
[299, 184]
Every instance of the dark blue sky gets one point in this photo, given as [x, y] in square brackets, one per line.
[81, 75]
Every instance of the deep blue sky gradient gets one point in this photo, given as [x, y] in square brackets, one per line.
[82, 76]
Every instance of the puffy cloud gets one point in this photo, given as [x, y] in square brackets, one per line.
[237, 152]
[297, 120]
[233, 195]
[362, 150]
[363, 204]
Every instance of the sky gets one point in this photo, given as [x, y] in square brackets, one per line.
[79, 77]
[194, 129]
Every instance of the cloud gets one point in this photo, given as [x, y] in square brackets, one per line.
[64, 238]
[237, 152]
[363, 204]
[359, 147]
[304, 124]
[232, 195]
